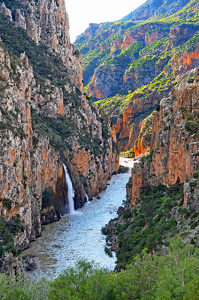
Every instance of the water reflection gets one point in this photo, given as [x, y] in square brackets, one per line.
[79, 235]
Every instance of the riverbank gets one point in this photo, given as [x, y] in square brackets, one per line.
[79, 235]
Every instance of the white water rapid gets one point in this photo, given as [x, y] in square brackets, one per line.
[79, 235]
[71, 192]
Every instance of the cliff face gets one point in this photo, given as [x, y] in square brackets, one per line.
[48, 22]
[108, 79]
[129, 66]
[155, 7]
[174, 144]
[142, 143]
[45, 120]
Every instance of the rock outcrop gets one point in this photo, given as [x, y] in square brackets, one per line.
[130, 66]
[47, 22]
[45, 121]
[127, 124]
[174, 144]
[142, 143]
[107, 80]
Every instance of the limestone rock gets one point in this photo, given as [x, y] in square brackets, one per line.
[43, 123]
[174, 145]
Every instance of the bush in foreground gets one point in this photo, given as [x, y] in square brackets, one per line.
[151, 277]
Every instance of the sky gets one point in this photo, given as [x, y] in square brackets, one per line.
[83, 12]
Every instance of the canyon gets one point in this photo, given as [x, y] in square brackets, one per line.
[142, 79]
[174, 145]
[45, 119]
[131, 64]
[163, 190]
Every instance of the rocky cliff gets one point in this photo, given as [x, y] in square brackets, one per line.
[142, 143]
[174, 145]
[129, 66]
[47, 22]
[163, 191]
[45, 119]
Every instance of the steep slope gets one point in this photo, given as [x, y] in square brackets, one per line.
[163, 191]
[174, 142]
[155, 8]
[129, 65]
[45, 119]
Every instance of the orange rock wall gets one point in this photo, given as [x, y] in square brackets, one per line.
[173, 149]
[185, 62]
[142, 143]
[29, 164]
[127, 126]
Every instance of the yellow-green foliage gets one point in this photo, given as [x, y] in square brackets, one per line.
[137, 59]
[147, 124]
[116, 104]
[128, 154]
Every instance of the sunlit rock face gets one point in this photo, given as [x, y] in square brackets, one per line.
[174, 144]
[131, 57]
[48, 22]
[43, 123]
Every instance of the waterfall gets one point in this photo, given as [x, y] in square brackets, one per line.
[71, 192]
[86, 196]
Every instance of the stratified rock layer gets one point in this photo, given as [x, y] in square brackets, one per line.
[43, 124]
[174, 145]
[129, 66]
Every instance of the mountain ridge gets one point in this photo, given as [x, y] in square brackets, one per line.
[124, 62]
[156, 8]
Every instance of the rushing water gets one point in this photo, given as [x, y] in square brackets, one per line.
[79, 235]
[71, 192]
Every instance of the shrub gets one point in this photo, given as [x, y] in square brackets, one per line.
[158, 107]
[196, 175]
[2, 251]
[7, 203]
[192, 183]
[127, 213]
[190, 79]
[108, 251]
[46, 199]
[128, 154]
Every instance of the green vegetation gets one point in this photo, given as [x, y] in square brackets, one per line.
[158, 216]
[142, 73]
[149, 225]
[123, 169]
[7, 203]
[11, 4]
[61, 129]
[48, 65]
[192, 122]
[128, 154]
[8, 229]
[22, 289]
[172, 276]
[46, 199]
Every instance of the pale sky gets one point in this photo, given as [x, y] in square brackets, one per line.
[83, 12]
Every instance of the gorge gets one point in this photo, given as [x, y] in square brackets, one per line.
[60, 151]
[78, 235]
[45, 117]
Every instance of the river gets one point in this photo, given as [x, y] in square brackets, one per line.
[78, 235]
